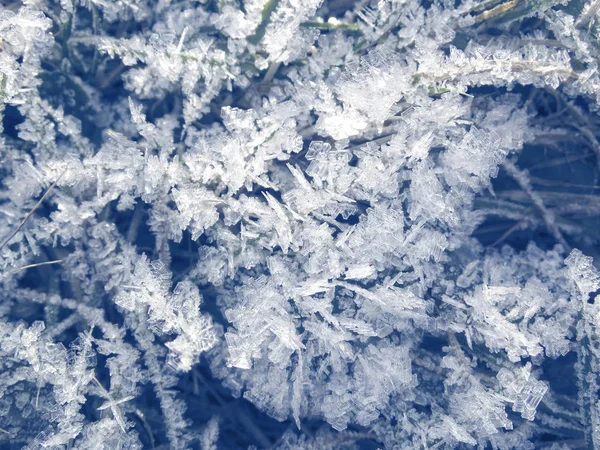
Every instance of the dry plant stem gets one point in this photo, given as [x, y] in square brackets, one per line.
[37, 205]
[30, 266]
[586, 18]
[141, 416]
[585, 130]
[241, 415]
[548, 216]
[63, 326]
[496, 11]
[531, 67]
[37, 397]
[507, 233]
[132, 232]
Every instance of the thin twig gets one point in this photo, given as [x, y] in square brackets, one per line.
[37, 205]
[134, 225]
[271, 71]
[507, 233]
[30, 266]
[496, 11]
[140, 414]
[240, 414]
[548, 216]
[584, 19]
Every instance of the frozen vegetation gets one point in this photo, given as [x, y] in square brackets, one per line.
[299, 224]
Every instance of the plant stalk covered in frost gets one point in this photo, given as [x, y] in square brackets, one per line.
[307, 224]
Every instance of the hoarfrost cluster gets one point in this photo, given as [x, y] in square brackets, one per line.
[311, 224]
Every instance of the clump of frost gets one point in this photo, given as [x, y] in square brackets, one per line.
[350, 215]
